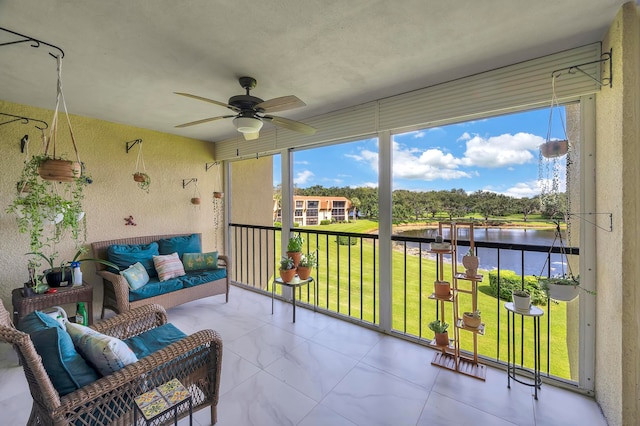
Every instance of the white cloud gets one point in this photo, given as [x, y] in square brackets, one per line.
[426, 165]
[464, 137]
[523, 190]
[301, 162]
[501, 151]
[303, 177]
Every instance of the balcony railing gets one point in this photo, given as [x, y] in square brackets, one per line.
[348, 286]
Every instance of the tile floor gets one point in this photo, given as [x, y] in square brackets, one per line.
[323, 371]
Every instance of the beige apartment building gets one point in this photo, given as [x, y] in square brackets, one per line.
[312, 210]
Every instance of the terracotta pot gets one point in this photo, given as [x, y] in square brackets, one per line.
[442, 339]
[295, 255]
[196, 200]
[287, 275]
[552, 149]
[218, 194]
[471, 264]
[470, 321]
[304, 272]
[442, 289]
[59, 170]
[139, 177]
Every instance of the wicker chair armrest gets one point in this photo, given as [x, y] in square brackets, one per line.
[195, 360]
[133, 322]
[223, 260]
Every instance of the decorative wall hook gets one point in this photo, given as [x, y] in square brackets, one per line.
[25, 120]
[604, 57]
[207, 166]
[186, 182]
[34, 42]
[133, 143]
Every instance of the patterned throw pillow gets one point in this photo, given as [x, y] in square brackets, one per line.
[168, 266]
[136, 275]
[198, 261]
[107, 354]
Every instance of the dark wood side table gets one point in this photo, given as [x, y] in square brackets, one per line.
[65, 295]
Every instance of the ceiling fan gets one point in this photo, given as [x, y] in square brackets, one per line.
[251, 111]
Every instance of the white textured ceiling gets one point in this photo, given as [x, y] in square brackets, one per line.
[125, 58]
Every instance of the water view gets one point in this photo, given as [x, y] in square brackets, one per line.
[508, 259]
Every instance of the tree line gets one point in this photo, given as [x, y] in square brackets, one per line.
[454, 203]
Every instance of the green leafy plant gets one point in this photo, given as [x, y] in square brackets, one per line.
[295, 243]
[286, 263]
[521, 293]
[438, 326]
[143, 180]
[566, 279]
[309, 260]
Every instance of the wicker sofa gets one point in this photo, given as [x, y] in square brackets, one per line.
[195, 360]
[117, 291]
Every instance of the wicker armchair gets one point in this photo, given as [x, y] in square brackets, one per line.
[195, 360]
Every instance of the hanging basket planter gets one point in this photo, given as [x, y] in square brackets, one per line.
[554, 149]
[59, 170]
[218, 195]
[196, 200]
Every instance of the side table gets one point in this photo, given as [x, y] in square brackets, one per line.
[293, 285]
[65, 295]
[512, 369]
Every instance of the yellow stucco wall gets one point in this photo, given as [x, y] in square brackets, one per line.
[618, 192]
[113, 195]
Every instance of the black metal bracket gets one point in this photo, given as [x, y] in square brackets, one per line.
[581, 216]
[25, 120]
[34, 42]
[131, 144]
[604, 57]
[207, 166]
[186, 182]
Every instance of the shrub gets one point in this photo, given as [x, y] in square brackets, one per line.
[277, 224]
[325, 222]
[344, 240]
[510, 281]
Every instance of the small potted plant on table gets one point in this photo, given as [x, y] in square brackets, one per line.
[521, 300]
[471, 319]
[307, 263]
[287, 269]
[294, 248]
[440, 330]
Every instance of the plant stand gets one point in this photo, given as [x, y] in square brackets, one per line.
[518, 372]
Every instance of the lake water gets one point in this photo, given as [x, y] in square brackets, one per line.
[509, 259]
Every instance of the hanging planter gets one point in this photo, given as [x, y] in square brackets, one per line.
[59, 170]
[553, 149]
[217, 192]
[197, 198]
[140, 175]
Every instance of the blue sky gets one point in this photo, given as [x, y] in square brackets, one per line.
[497, 154]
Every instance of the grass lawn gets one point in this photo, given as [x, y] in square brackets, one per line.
[351, 293]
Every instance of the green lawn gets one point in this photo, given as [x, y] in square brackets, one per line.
[412, 310]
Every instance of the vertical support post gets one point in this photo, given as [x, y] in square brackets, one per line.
[385, 183]
[287, 208]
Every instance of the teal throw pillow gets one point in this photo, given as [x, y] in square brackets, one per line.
[125, 255]
[199, 261]
[135, 275]
[36, 321]
[181, 245]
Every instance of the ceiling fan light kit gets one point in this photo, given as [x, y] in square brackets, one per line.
[250, 111]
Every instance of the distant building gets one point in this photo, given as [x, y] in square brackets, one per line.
[311, 210]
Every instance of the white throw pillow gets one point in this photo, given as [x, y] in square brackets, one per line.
[107, 354]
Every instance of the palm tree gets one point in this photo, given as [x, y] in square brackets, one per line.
[355, 206]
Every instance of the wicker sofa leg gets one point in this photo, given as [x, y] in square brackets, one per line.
[214, 414]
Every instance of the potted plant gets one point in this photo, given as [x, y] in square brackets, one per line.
[562, 288]
[143, 180]
[307, 263]
[294, 248]
[440, 330]
[287, 269]
[470, 262]
[521, 300]
[56, 274]
[471, 319]
[442, 289]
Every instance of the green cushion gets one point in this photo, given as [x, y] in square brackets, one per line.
[155, 339]
[135, 275]
[198, 261]
[181, 245]
[66, 368]
[125, 255]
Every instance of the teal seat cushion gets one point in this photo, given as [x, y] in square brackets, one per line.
[195, 278]
[66, 368]
[155, 287]
[125, 255]
[155, 339]
[181, 245]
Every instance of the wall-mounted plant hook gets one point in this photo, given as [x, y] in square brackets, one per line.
[131, 144]
[25, 120]
[186, 182]
[604, 57]
[207, 166]
[34, 42]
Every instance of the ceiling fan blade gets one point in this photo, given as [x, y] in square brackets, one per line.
[251, 136]
[204, 120]
[211, 101]
[282, 103]
[296, 126]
